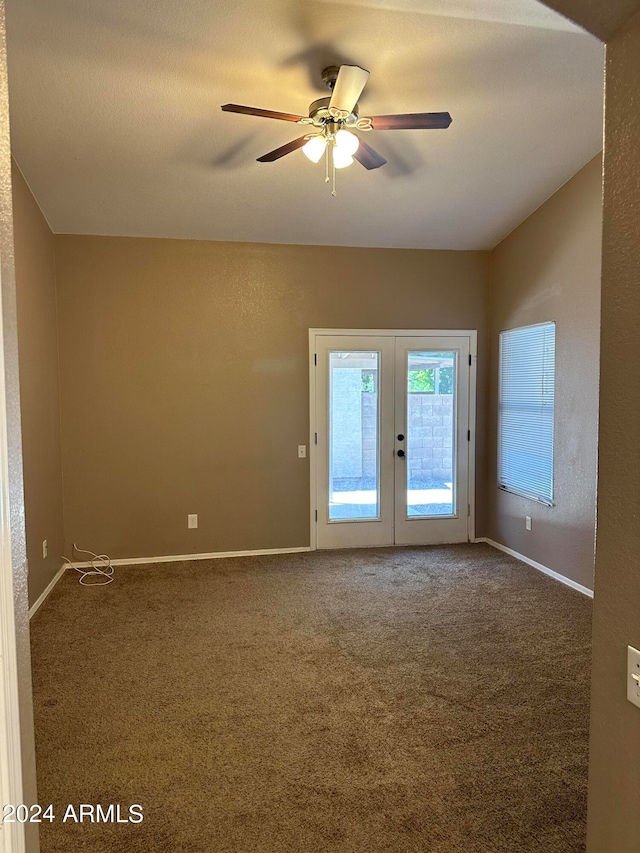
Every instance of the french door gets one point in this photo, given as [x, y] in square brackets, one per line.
[391, 436]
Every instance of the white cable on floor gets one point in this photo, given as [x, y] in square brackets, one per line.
[101, 567]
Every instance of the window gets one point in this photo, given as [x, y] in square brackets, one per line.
[526, 409]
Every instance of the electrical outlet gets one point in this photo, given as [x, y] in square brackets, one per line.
[527, 522]
[633, 675]
[192, 521]
[302, 451]
[45, 549]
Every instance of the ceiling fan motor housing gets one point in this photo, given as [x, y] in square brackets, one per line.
[319, 113]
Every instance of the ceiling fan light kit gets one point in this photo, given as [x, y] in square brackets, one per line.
[341, 160]
[314, 148]
[347, 141]
[335, 119]
[338, 146]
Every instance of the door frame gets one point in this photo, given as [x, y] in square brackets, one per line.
[471, 334]
[11, 787]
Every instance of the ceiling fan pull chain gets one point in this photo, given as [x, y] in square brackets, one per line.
[333, 168]
[326, 163]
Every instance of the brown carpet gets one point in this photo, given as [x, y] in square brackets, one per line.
[406, 699]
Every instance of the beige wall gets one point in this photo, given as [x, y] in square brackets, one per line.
[39, 387]
[184, 378]
[549, 269]
[601, 19]
[614, 788]
[614, 768]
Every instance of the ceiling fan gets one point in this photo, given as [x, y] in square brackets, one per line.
[335, 118]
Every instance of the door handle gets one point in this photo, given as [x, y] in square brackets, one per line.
[401, 454]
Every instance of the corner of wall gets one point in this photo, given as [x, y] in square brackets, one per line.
[38, 355]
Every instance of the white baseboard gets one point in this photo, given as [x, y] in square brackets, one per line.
[219, 555]
[555, 575]
[40, 599]
[181, 558]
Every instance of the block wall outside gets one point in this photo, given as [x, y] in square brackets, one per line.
[430, 435]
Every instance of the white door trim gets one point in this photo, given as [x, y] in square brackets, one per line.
[473, 372]
[313, 442]
[12, 839]
[396, 333]
[472, 334]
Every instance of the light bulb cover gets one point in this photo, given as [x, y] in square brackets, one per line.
[314, 148]
[347, 141]
[341, 158]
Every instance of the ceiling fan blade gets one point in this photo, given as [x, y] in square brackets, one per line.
[369, 158]
[254, 111]
[349, 84]
[411, 121]
[277, 153]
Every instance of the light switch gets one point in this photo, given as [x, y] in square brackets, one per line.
[192, 521]
[633, 675]
[302, 451]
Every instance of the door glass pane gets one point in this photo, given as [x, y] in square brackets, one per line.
[354, 436]
[431, 388]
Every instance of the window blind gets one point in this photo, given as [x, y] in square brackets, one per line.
[526, 411]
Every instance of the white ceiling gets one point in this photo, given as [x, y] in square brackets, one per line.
[116, 121]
